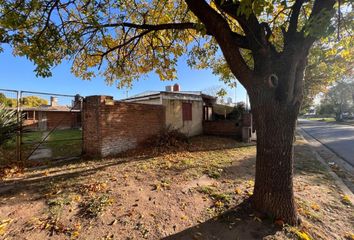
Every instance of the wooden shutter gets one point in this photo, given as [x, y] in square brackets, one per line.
[187, 111]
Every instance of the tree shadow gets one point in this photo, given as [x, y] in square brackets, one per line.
[236, 223]
[37, 185]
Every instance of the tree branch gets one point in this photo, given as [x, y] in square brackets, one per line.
[48, 18]
[239, 40]
[250, 24]
[219, 28]
[152, 27]
[294, 18]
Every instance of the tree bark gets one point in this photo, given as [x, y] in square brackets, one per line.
[275, 125]
[275, 86]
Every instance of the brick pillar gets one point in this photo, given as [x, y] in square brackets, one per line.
[91, 125]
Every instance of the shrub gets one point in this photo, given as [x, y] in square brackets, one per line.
[167, 139]
[8, 123]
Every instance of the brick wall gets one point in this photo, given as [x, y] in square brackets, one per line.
[110, 127]
[222, 128]
[227, 127]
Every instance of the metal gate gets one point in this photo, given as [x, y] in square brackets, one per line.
[50, 126]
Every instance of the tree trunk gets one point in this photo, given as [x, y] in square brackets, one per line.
[275, 124]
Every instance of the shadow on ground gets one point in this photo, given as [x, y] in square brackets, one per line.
[237, 223]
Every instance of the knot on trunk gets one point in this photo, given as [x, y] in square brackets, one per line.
[273, 80]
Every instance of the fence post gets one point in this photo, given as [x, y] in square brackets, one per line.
[19, 122]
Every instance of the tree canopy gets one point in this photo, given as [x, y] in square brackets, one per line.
[127, 39]
[29, 101]
[339, 99]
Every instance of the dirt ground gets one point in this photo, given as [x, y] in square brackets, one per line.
[200, 191]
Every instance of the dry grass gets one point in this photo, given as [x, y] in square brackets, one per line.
[200, 191]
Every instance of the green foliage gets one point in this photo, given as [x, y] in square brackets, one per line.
[318, 25]
[33, 101]
[30, 101]
[221, 93]
[237, 112]
[338, 99]
[8, 123]
[8, 102]
[95, 36]
[330, 60]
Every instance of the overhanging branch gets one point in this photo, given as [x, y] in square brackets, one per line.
[217, 26]
[294, 18]
[152, 27]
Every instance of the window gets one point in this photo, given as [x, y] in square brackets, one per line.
[187, 111]
[208, 113]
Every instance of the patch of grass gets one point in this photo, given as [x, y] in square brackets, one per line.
[65, 142]
[214, 194]
[206, 189]
[56, 205]
[95, 206]
[213, 173]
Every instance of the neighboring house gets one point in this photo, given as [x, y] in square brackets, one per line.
[185, 110]
[47, 117]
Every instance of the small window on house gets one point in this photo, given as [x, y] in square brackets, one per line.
[208, 113]
[187, 111]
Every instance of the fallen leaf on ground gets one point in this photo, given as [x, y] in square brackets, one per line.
[237, 191]
[346, 199]
[350, 236]
[315, 207]
[3, 225]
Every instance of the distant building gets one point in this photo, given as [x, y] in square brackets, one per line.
[51, 116]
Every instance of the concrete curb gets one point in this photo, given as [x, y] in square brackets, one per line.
[346, 191]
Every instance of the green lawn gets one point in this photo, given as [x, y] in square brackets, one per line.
[63, 143]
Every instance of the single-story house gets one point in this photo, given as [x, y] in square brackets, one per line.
[47, 117]
[185, 110]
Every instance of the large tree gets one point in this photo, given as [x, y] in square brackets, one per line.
[264, 44]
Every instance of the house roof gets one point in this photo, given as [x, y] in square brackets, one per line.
[47, 108]
[222, 109]
[156, 93]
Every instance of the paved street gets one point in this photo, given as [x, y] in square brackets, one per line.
[339, 138]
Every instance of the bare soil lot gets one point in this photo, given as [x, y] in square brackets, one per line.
[198, 191]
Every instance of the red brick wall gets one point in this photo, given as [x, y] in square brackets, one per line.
[63, 120]
[110, 127]
[222, 128]
[59, 120]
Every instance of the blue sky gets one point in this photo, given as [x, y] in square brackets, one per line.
[17, 73]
